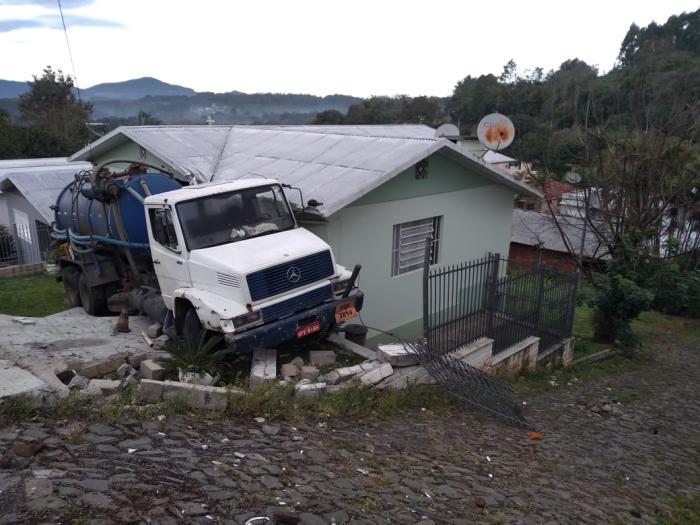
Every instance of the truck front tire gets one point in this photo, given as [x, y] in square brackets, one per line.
[192, 328]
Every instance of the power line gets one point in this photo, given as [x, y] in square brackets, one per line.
[70, 53]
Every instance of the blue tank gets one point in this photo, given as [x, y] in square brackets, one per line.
[79, 211]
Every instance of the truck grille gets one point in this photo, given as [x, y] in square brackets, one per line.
[276, 279]
[296, 304]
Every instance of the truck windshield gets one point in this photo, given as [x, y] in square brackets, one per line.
[234, 216]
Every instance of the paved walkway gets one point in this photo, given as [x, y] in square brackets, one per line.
[466, 468]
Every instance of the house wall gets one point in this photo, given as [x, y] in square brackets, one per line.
[476, 220]
[131, 150]
[15, 202]
[524, 256]
[4, 210]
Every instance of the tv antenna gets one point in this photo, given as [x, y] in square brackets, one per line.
[495, 132]
[572, 177]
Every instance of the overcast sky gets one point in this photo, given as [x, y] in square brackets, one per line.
[358, 47]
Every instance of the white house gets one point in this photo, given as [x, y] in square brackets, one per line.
[28, 189]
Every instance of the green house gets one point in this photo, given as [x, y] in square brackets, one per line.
[379, 192]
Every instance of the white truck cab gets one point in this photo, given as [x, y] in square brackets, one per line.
[232, 254]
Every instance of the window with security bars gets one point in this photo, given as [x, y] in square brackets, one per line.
[408, 252]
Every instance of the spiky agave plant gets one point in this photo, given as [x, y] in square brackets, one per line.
[198, 356]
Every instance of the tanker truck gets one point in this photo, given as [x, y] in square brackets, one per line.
[225, 257]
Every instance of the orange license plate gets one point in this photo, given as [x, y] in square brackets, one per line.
[308, 329]
[345, 311]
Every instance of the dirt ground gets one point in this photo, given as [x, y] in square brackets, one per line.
[619, 467]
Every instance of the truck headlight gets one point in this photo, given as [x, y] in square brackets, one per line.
[340, 286]
[246, 319]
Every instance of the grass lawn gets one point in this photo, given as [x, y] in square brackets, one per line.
[35, 295]
[583, 332]
[647, 326]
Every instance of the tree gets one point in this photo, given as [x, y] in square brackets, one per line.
[10, 145]
[51, 106]
[330, 116]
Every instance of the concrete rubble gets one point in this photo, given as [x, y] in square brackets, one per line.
[264, 367]
[74, 345]
[90, 357]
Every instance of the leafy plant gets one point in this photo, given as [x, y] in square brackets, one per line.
[195, 356]
[617, 302]
[51, 257]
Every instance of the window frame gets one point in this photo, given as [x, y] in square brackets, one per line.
[396, 247]
[172, 230]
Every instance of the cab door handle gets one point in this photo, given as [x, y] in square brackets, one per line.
[156, 261]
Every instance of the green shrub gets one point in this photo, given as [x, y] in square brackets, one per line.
[200, 356]
[670, 288]
[693, 303]
[617, 302]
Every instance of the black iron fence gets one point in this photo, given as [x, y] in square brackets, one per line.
[470, 300]
[24, 245]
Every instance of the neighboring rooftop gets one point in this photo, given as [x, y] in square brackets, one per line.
[11, 164]
[39, 180]
[332, 164]
[533, 228]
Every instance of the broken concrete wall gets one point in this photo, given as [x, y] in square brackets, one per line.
[561, 354]
[521, 357]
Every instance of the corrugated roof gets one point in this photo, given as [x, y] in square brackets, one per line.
[534, 228]
[27, 163]
[493, 157]
[40, 183]
[332, 164]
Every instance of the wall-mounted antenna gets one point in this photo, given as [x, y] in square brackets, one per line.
[495, 132]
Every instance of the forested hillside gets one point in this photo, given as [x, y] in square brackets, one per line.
[656, 78]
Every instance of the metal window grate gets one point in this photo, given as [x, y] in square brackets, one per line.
[408, 251]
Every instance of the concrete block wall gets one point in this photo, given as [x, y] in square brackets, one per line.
[521, 357]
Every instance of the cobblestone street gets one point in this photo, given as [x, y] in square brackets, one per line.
[621, 467]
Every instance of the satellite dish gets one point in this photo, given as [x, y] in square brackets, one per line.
[448, 131]
[495, 132]
[572, 177]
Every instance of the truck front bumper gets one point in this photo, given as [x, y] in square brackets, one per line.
[272, 335]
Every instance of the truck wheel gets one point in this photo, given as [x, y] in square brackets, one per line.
[71, 294]
[192, 328]
[93, 298]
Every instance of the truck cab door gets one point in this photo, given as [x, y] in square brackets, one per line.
[167, 251]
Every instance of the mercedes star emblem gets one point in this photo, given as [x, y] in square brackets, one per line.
[293, 274]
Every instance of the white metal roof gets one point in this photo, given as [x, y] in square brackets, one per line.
[493, 157]
[534, 228]
[208, 188]
[28, 163]
[333, 164]
[39, 180]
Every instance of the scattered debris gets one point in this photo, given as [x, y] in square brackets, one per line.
[397, 355]
[152, 370]
[607, 408]
[308, 372]
[264, 367]
[28, 449]
[306, 388]
[321, 357]
[147, 339]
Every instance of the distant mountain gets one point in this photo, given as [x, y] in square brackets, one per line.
[120, 103]
[12, 88]
[226, 108]
[135, 89]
